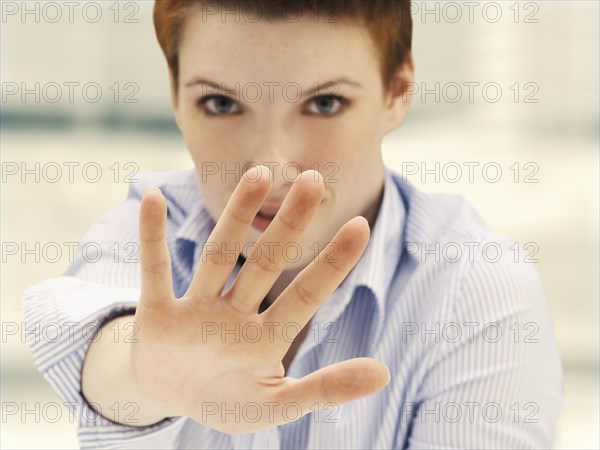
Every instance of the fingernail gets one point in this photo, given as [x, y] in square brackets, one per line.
[153, 188]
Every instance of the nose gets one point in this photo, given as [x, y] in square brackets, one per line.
[274, 150]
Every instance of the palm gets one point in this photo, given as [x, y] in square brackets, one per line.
[210, 355]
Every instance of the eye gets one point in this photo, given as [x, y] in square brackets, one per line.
[327, 105]
[218, 105]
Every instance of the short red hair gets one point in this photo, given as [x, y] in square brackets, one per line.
[389, 23]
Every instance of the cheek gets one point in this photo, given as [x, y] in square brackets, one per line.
[213, 157]
[214, 192]
[347, 147]
[210, 146]
[206, 138]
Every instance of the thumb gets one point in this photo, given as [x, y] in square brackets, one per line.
[341, 383]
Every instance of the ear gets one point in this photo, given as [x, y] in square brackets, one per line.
[174, 99]
[399, 97]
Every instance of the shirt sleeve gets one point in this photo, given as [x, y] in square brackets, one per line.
[496, 378]
[63, 314]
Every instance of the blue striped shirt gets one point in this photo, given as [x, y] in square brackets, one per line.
[455, 310]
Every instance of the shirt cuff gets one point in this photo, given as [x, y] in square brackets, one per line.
[62, 317]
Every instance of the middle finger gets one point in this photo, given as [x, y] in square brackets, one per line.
[266, 260]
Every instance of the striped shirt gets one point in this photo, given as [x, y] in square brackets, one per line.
[456, 311]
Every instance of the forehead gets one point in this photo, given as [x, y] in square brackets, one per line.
[305, 50]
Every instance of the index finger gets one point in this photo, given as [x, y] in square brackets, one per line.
[223, 246]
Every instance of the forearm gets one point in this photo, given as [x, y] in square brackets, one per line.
[108, 383]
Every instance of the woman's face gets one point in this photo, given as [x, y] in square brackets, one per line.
[244, 98]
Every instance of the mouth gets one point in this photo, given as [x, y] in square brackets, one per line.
[265, 216]
[269, 211]
[261, 222]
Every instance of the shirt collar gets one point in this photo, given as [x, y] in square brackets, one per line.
[377, 266]
[195, 226]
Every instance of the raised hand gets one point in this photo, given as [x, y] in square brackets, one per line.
[211, 354]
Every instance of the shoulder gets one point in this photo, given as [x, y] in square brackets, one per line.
[461, 264]
[435, 216]
[163, 179]
[448, 227]
[179, 187]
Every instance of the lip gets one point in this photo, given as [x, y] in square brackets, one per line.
[267, 214]
[270, 209]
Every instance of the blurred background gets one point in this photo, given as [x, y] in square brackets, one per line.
[533, 112]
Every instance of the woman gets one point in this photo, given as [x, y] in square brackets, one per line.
[262, 312]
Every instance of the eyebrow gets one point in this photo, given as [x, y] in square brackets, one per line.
[319, 86]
